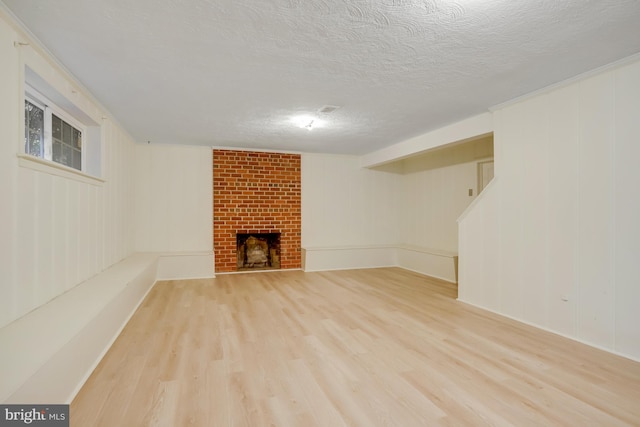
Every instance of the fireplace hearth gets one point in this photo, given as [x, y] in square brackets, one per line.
[258, 251]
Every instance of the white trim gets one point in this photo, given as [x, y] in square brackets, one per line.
[430, 251]
[533, 325]
[33, 94]
[347, 248]
[45, 149]
[320, 270]
[436, 263]
[57, 169]
[50, 108]
[431, 276]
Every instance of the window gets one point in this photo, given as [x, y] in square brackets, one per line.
[50, 133]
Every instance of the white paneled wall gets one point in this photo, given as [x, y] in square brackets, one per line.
[626, 210]
[115, 207]
[55, 231]
[173, 198]
[555, 243]
[435, 190]
[350, 212]
[9, 138]
[478, 261]
[344, 204]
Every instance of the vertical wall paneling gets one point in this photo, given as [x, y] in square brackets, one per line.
[349, 213]
[480, 256]
[174, 185]
[568, 229]
[511, 225]
[172, 198]
[595, 233]
[54, 231]
[27, 255]
[160, 212]
[534, 228]
[72, 232]
[59, 234]
[9, 138]
[92, 230]
[344, 204]
[108, 217]
[434, 187]
[562, 209]
[83, 236]
[627, 209]
[46, 248]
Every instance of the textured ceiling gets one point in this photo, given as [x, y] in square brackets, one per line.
[233, 72]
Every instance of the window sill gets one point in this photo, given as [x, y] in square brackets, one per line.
[53, 168]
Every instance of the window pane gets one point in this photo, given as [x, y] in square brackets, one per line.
[34, 143]
[66, 155]
[76, 160]
[57, 152]
[56, 127]
[67, 143]
[67, 133]
[34, 129]
[77, 138]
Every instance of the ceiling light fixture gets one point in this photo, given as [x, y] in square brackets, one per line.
[312, 121]
[309, 125]
[306, 122]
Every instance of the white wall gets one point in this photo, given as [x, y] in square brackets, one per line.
[344, 204]
[174, 205]
[349, 213]
[556, 242]
[174, 208]
[435, 189]
[55, 231]
[354, 217]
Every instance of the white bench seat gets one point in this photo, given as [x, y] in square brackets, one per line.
[46, 355]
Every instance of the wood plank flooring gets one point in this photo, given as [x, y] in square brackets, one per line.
[381, 347]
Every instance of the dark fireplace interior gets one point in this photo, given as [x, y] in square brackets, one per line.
[258, 251]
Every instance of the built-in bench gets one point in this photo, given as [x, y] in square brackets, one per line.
[49, 353]
[436, 263]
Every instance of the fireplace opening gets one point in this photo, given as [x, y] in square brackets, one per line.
[258, 251]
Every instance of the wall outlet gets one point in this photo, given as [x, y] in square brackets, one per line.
[471, 192]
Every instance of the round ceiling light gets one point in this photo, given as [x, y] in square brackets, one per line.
[306, 121]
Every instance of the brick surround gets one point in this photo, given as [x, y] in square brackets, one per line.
[255, 192]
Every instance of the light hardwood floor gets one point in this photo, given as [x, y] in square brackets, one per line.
[382, 347]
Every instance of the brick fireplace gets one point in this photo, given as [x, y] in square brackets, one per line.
[256, 194]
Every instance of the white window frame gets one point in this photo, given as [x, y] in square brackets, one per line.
[50, 108]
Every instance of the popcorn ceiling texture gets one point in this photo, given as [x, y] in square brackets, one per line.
[256, 193]
[230, 73]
